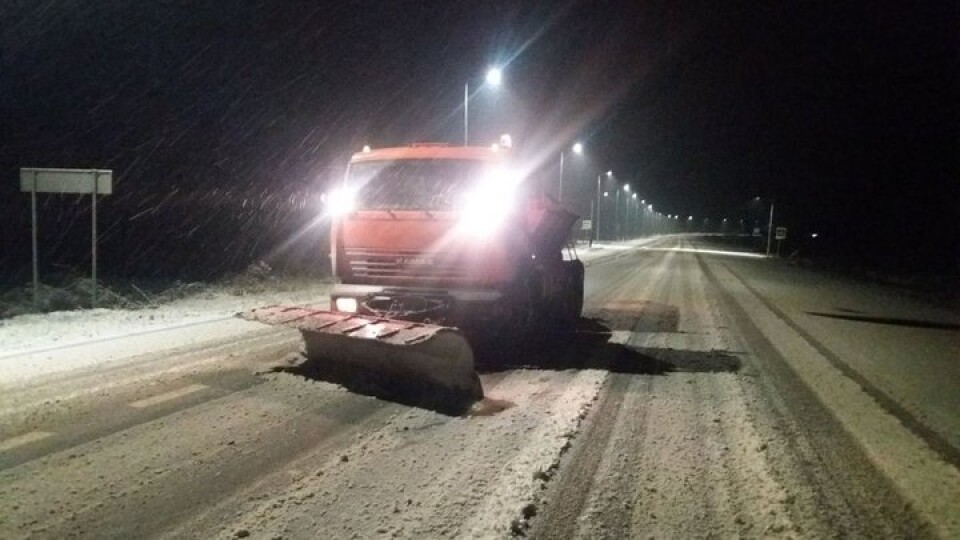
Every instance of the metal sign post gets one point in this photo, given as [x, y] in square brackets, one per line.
[93, 237]
[781, 236]
[769, 228]
[33, 222]
[81, 181]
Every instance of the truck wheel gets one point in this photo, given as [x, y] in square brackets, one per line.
[567, 314]
[571, 304]
[532, 319]
[526, 313]
[576, 287]
[576, 303]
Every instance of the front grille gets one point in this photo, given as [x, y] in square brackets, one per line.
[405, 265]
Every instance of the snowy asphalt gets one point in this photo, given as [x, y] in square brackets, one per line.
[705, 394]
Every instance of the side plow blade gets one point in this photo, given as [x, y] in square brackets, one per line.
[410, 362]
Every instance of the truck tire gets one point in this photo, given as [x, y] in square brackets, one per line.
[532, 320]
[576, 287]
[570, 306]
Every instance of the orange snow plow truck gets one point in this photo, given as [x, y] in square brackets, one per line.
[433, 244]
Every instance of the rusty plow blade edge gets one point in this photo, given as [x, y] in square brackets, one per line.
[432, 358]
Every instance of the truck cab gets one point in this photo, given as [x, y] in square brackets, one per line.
[450, 235]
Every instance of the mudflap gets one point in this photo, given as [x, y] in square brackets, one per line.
[415, 363]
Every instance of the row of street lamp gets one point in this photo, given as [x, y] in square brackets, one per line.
[646, 219]
[650, 221]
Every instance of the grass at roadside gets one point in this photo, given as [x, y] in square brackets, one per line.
[75, 293]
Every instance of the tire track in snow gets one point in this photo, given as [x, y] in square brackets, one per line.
[424, 474]
[669, 455]
[137, 369]
[518, 482]
[900, 455]
[77, 416]
[156, 475]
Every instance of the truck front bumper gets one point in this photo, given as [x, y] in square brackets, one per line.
[453, 307]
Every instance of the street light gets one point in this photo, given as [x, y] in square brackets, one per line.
[617, 228]
[493, 78]
[769, 222]
[577, 149]
[770, 228]
[597, 224]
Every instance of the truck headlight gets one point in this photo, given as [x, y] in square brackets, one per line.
[486, 207]
[342, 200]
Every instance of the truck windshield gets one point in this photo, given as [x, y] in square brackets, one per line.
[408, 184]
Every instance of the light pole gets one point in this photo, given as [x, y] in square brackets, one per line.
[770, 228]
[577, 148]
[616, 216]
[644, 223]
[769, 222]
[494, 78]
[597, 224]
[616, 213]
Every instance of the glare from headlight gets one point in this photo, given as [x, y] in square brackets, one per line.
[342, 200]
[487, 206]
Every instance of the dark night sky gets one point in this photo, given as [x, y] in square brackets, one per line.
[221, 119]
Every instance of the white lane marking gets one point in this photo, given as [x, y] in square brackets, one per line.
[136, 333]
[620, 337]
[173, 394]
[709, 252]
[89, 390]
[21, 440]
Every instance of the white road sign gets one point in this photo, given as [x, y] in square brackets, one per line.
[66, 180]
[81, 181]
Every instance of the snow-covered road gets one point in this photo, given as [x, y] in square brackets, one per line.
[700, 398]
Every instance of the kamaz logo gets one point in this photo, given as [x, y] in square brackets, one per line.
[421, 261]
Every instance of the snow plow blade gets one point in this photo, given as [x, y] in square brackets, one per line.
[415, 363]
